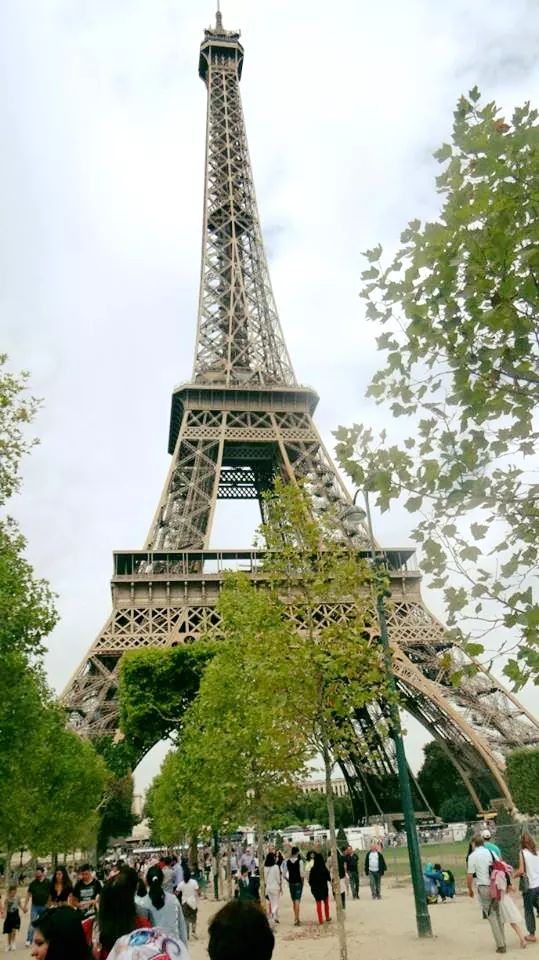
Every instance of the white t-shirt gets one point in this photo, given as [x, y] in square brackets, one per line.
[531, 862]
[374, 862]
[479, 862]
[189, 893]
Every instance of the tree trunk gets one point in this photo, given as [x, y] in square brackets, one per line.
[339, 912]
[260, 856]
[216, 865]
[229, 870]
[7, 871]
[193, 856]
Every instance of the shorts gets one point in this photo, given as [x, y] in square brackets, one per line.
[296, 889]
[12, 921]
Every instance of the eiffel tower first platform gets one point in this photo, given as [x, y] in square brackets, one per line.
[240, 421]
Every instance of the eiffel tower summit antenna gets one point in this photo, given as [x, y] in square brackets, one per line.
[240, 421]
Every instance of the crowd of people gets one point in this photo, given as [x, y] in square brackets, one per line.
[139, 904]
[293, 870]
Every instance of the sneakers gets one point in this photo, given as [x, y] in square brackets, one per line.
[501, 949]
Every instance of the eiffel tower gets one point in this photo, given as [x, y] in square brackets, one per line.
[241, 420]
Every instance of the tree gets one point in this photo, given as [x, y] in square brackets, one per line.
[52, 781]
[17, 409]
[116, 810]
[459, 302]
[457, 809]
[238, 754]
[523, 779]
[333, 647]
[27, 613]
[440, 781]
[156, 687]
[299, 655]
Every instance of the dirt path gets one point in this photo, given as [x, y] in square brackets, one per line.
[377, 930]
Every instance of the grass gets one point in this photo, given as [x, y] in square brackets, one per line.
[451, 856]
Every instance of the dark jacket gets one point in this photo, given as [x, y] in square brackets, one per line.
[318, 881]
[381, 864]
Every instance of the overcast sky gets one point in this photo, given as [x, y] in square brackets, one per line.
[103, 119]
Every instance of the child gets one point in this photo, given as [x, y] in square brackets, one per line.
[446, 885]
[12, 917]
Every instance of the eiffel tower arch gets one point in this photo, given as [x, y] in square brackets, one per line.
[240, 421]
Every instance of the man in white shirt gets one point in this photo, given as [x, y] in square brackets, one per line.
[479, 864]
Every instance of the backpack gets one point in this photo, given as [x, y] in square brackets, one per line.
[500, 877]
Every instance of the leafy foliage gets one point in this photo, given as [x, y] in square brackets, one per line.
[156, 686]
[441, 782]
[115, 812]
[523, 779]
[52, 781]
[27, 611]
[17, 409]
[238, 753]
[309, 808]
[460, 301]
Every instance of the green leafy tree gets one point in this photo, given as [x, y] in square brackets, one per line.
[441, 781]
[457, 809]
[238, 754]
[17, 410]
[116, 818]
[460, 304]
[51, 782]
[156, 687]
[27, 613]
[337, 661]
[523, 779]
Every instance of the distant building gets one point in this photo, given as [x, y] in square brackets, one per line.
[339, 786]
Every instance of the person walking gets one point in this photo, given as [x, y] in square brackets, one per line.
[273, 884]
[351, 861]
[60, 888]
[38, 893]
[164, 909]
[86, 891]
[319, 878]
[188, 890]
[11, 915]
[479, 864]
[489, 844]
[528, 870]
[375, 867]
[294, 873]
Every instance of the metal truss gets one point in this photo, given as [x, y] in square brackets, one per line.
[239, 338]
[236, 454]
[478, 722]
[239, 423]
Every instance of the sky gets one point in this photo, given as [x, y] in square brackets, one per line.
[103, 116]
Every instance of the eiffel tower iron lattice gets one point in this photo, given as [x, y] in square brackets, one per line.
[242, 420]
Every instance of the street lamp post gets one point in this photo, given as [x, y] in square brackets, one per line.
[424, 928]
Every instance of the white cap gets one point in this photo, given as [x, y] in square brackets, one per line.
[485, 834]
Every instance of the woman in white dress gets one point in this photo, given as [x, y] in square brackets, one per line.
[273, 884]
[509, 913]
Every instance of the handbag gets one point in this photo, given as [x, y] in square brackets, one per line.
[524, 883]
